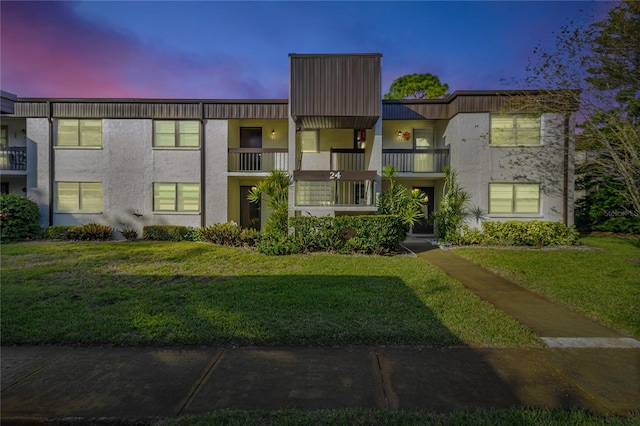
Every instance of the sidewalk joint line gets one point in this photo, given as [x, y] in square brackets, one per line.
[381, 377]
[203, 377]
[37, 370]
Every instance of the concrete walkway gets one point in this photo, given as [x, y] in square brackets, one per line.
[52, 382]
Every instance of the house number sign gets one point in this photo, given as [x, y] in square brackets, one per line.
[335, 175]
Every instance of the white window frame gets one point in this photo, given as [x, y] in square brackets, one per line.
[514, 198]
[517, 132]
[81, 138]
[179, 141]
[178, 198]
[82, 191]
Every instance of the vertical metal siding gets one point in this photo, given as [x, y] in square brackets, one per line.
[335, 85]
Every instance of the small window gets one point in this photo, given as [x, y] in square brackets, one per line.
[520, 198]
[79, 133]
[309, 141]
[4, 136]
[515, 129]
[176, 197]
[79, 196]
[176, 134]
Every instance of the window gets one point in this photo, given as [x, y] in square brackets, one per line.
[514, 198]
[309, 141]
[423, 138]
[79, 196]
[314, 193]
[176, 197]
[4, 136]
[176, 134]
[515, 129]
[79, 133]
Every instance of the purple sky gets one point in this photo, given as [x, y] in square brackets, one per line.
[236, 50]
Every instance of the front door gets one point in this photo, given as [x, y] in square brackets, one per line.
[424, 226]
[249, 212]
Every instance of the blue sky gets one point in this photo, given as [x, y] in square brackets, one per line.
[219, 50]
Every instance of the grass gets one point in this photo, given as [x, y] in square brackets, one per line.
[513, 416]
[603, 283]
[194, 293]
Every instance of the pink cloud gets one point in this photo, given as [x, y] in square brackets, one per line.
[48, 50]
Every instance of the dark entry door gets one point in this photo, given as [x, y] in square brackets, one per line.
[249, 212]
[250, 137]
[424, 226]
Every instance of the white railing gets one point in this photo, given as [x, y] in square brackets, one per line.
[258, 159]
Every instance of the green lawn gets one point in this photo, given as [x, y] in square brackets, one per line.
[603, 283]
[510, 417]
[195, 293]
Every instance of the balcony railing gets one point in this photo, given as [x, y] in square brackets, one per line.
[416, 161]
[347, 159]
[258, 159]
[339, 188]
[13, 158]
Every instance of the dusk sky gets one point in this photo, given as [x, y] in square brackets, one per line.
[238, 50]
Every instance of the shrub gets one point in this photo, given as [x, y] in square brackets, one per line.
[129, 234]
[19, 218]
[470, 236]
[377, 234]
[533, 233]
[277, 245]
[228, 234]
[87, 232]
[94, 232]
[60, 232]
[166, 233]
[624, 225]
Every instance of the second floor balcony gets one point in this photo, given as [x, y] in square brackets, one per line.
[255, 160]
[13, 158]
[416, 161]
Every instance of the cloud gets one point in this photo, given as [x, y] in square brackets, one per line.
[48, 50]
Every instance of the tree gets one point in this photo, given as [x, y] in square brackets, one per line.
[276, 188]
[397, 200]
[596, 68]
[417, 86]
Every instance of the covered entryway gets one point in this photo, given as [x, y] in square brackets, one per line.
[425, 226]
[249, 212]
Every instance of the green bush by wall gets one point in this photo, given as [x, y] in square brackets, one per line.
[19, 218]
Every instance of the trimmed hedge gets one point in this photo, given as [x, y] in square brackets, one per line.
[167, 233]
[515, 233]
[88, 232]
[19, 218]
[378, 234]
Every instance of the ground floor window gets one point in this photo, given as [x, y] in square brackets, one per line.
[514, 198]
[79, 196]
[176, 197]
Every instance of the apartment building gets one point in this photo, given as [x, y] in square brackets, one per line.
[136, 162]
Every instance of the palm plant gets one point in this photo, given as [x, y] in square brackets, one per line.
[398, 200]
[452, 210]
[275, 188]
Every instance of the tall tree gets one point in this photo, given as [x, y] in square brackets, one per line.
[417, 86]
[596, 68]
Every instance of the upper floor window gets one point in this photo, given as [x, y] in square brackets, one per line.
[176, 134]
[176, 197]
[515, 129]
[79, 196]
[309, 141]
[4, 136]
[514, 198]
[79, 133]
[423, 138]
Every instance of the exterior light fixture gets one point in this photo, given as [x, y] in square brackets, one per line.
[399, 135]
[273, 133]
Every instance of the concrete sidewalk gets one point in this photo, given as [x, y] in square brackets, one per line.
[149, 383]
[586, 366]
